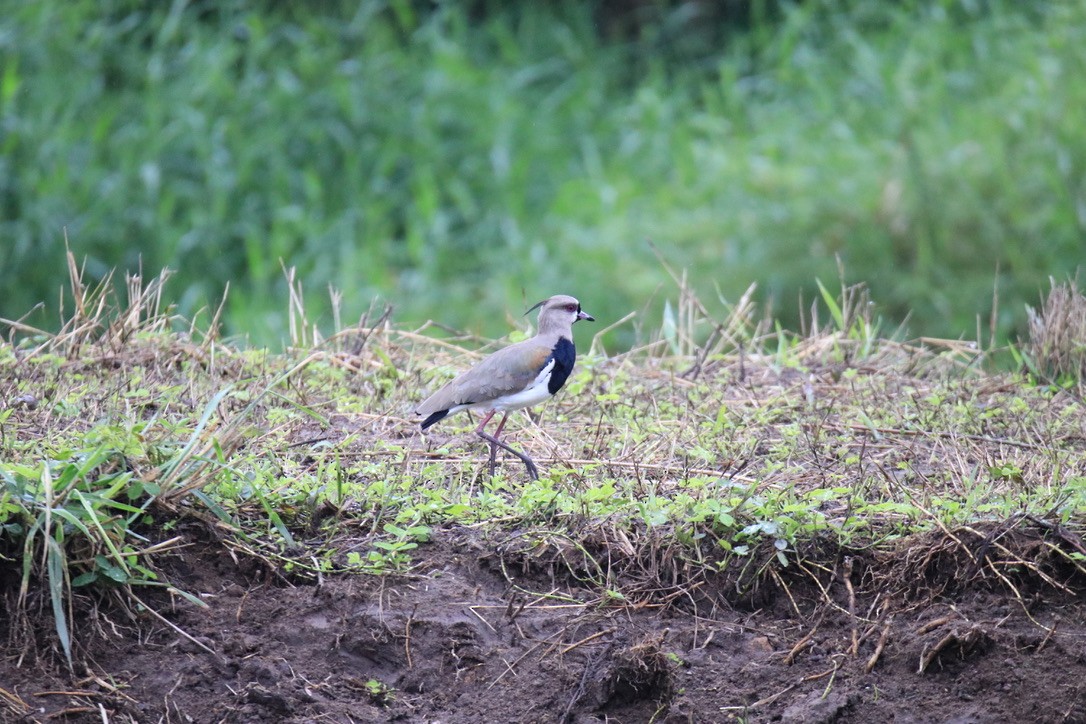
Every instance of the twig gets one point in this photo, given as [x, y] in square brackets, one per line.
[965, 642]
[174, 626]
[1044, 641]
[787, 590]
[883, 637]
[320, 574]
[801, 645]
[928, 656]
[476, 614]
[407, 636]
[934, 624]
[592, 347]
[1059, 530]
[579, 691]
[855, 648]
[1016, 561]
[949, 436]
[585, 640]
[510, 667]
[833, 677]
[62, 713]
[241, 605]
[773, 697]
[827, 672]
[825, 592]
[108, 686]
[14, 701]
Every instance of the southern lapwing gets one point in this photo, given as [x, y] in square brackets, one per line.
[517, 376]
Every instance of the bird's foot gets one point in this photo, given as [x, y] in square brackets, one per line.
[495, 443]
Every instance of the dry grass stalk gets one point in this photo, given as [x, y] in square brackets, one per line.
[1057, 332]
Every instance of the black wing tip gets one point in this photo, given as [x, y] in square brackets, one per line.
[433, 419]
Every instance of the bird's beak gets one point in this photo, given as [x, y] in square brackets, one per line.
[585, 315]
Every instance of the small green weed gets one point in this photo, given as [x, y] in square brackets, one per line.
[380, 693]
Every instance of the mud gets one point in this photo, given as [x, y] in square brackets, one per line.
[468, 636]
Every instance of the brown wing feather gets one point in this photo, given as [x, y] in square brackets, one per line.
[505, 372]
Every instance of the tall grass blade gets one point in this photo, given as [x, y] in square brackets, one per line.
[172, 469]
[57, 578]
[833, 306]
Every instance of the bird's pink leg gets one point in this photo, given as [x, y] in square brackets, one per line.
[494, 448]
[484, 421]
[495, 443]
[481, 432]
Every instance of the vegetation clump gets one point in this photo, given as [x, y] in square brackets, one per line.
[717, 461]
[1057, 334]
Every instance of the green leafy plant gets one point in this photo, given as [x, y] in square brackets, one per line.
[76, 521]
[380, 693]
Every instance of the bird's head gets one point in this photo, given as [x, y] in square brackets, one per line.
[559, 313]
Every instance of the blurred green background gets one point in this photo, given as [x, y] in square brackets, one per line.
[461, 159]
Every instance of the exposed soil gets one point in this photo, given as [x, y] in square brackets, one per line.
[457, 641]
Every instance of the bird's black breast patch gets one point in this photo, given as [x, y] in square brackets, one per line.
[563, 354]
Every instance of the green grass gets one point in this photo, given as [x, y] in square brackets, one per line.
[770, 451]
[451, 164]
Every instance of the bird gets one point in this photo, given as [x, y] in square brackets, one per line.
[514, 377]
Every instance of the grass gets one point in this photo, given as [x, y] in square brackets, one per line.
[760, 455]
[451, 162]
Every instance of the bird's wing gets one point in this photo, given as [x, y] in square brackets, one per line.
[505, 372]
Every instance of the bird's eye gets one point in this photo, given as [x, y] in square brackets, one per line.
[571, 307]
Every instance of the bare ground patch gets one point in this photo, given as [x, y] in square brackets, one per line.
[477, 634]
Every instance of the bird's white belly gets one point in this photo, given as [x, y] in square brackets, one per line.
[531, 396]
